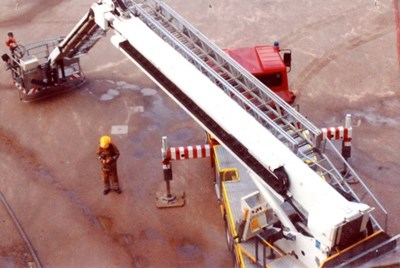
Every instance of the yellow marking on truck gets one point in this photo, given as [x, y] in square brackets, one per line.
[230, 171]
[238, 249]
[265, 242]
[228, 210]
[251, 257]
[216, 158]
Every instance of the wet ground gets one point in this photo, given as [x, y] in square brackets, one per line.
[344, 61]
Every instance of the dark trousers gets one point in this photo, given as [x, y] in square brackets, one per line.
[110, 178]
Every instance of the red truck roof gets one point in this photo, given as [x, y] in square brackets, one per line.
[258, 60]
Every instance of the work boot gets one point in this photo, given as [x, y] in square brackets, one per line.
[115, 187]
[106, 191]
[118, 190]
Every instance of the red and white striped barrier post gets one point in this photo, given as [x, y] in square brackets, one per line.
[177, 153]
[345, 134]
[189, 152]
[346, 144]
[341, 133]
[168, 198]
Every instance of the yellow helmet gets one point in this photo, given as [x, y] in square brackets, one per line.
[105, 142]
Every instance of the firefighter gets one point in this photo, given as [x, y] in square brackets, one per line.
[11, 43]
[108, 154]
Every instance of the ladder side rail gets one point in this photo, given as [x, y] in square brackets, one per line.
[222, 57]
[265, 120]
[344, 186]
[359, 257]
[164, 10]
[361, 182]
[353, 173]
[246, 87]
[256, 110]
[222, 83]
[339, 180]
[207, 69]
[342, 181]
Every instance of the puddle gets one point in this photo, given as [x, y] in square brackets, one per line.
[161, 112]
[111, 94]
[383, 113]
[125, 85]
[189, 252]
[45, 175]
[181, 136]
[376, 118]
[148, 92]
[150, 234]
[136, 139]
[106, 97]
[114, 89]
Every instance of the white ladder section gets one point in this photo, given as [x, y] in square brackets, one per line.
[79, 41]
[283, 121]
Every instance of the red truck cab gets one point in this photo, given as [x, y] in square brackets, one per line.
[267, 65]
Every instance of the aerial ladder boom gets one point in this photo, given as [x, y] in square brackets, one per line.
[265, 134]
[79, 41]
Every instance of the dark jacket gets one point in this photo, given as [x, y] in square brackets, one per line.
[111, 154]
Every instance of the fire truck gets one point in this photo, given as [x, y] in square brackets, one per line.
[283, 186]
[268, 65]
[36, 77]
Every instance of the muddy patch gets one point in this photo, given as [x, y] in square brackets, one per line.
[140, 261]
[123, 240]
[106, 223]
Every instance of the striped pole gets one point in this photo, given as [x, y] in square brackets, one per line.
[341, 133]
[168, 200]
[189, 152]
[346, 144]
[167, 168]
[177, 153]
[337, 133]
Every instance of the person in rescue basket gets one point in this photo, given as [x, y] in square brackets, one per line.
[11, 43]
[108, 154]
